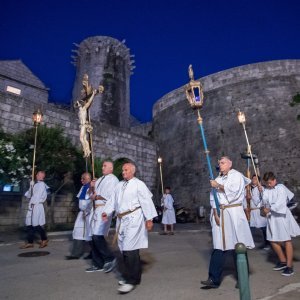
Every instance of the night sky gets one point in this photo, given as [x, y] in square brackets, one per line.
[165, 37]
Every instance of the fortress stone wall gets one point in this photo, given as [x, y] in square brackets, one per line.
[108, 141]
[263, 91]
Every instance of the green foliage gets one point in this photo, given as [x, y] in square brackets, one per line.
[118, 167]
[295, 100]
[55, 153]
[13, 166]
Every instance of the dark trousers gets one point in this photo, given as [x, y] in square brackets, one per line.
[77, 248]
[100, 251]
[264, 232]
[132, 267]
[31, 230]
[216, 265]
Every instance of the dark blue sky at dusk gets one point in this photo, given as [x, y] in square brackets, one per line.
[165, 37]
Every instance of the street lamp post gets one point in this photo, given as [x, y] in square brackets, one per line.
[242, 120]
[37, 117]
[159, 160]
[194, 94]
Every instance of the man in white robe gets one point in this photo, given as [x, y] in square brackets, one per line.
[103, 258]
[256, 220]
[132, 202]
[168, 218]
[35, 217]
[81, 226]
[231, 226]
[281, 225]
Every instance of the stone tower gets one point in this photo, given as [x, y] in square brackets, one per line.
[107, 61]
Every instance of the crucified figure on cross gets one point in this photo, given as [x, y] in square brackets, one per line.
[83, 105]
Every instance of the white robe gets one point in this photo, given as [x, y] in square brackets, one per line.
[36, 213]
[256, 220]
[281, 224]
[127, 196]
[236, 227]
[104, 187]
[169, 212]
[81, 229]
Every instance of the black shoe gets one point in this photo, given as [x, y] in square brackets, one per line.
[209, 284]
[237, 285]
[280, 266]
[88, 256]
[69, 257]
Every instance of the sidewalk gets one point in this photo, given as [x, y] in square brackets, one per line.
[14, 237]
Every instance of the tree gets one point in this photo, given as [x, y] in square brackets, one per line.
[55, 153]
[14, 166]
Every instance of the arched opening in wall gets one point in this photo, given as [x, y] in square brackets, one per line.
[118, 163]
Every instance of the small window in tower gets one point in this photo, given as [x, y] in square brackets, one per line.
[13, 90]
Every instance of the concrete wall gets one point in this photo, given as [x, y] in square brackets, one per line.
[263, 91]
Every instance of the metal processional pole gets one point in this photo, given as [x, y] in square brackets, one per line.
[194, 94]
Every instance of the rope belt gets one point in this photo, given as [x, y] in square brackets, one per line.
[120, 216]
[98, 205]
[223, 207]
[254, 208]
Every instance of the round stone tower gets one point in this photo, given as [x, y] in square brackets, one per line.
[107, 62]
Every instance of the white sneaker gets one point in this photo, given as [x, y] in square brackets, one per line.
[121, 282]
[126, 288]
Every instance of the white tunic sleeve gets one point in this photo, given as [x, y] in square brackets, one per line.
[290, 195]
[256, 196]
[212, 199]
[279, 200]
[234, 187]
[111, 204]
[145, 200]
[168, 202]
[39, 194]
[109, 185]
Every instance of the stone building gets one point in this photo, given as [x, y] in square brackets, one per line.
[108, 62]
[263, 91]
[21, 93]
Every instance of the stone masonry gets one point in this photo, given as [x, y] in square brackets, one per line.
[263, 91]
[109, 141]
[107, 61]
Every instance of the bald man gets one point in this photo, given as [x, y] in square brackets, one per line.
[103, 258]
[231, 227]
[132, 202]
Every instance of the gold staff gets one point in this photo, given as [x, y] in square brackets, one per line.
[242, 120]
[37, 117]
[159, 160]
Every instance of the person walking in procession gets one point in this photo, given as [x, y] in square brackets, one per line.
[103, 188]
[231, 227]
[281, 225]
[132, 202]
[35, 217]
[81, 226]
[168, 218]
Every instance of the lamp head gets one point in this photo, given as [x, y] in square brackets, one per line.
[37, 117]
[241, 117]
[194, 91]
[159, 160]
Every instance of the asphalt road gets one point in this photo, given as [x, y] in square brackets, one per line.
[173, 268]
